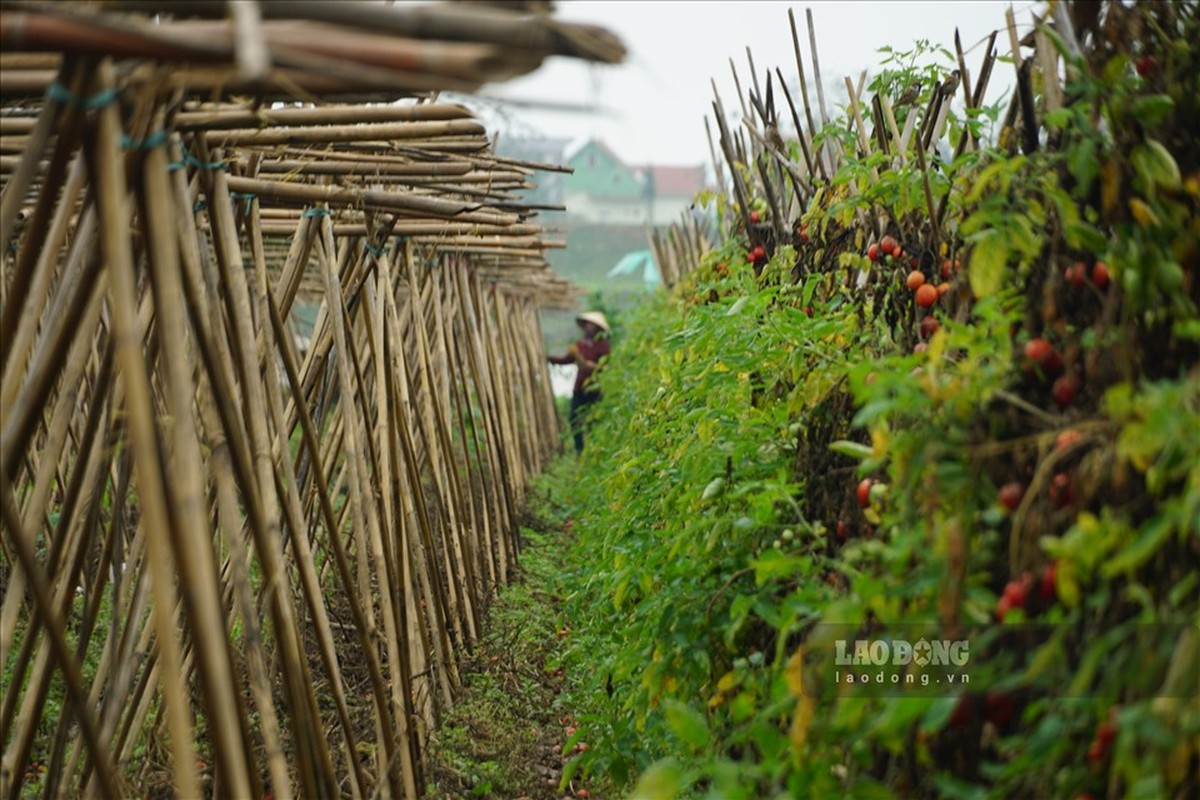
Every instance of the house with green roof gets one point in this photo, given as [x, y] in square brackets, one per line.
[603, 189]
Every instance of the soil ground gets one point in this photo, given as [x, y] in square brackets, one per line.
[504, 737]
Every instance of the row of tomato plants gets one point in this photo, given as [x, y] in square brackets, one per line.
[994, 439]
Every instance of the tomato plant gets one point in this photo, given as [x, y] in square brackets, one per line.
[773, 455]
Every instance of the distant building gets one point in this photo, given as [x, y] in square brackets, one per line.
[604, 190]
[672, 190]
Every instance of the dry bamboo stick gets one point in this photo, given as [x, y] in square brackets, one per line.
[449, 23]
[358, 456]
[250, 45]
[316, 769]
[442, 472]
[342, 166]
[186, 489]
[203, 117]
[359, 132]
[395, 201]
[801, 136]
[309, 441]
[106, 167]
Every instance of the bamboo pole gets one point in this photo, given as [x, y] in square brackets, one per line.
[207, 118]
[403, 202]
[105, 165]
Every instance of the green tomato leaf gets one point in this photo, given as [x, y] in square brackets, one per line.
[662, 781]
[1153, 109]
[688, 724]
[854, 450]
[1155, 165]
[1141, 549]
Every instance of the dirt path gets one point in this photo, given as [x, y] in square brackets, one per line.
[504, 737]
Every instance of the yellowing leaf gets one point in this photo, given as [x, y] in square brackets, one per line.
[795, 672]
[937, 346]
[1142, 213]
[988, 258]
[801, 722]
[1110, 186]
[879, 441]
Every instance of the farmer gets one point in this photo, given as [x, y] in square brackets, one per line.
[586, 353]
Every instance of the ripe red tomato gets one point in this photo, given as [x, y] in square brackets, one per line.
[1064, 390]
[1145, 65]
[927, 295]
[1096, 752]
[915, 279]
[754, 217]
[1016, 592]
[1077, 274]
[929, 326]
[887, 244]
[873, 252]
[1100, 275]
[843, 531]
[1010, 495]
[1042, 353]
[949, 268]
[864, 492]
[943, 288]
[898, 254]
[1038, 349]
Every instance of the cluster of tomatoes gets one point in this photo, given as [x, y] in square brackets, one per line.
[926, 293]
[1077, 274]
[1017, 592]
[1041, 355]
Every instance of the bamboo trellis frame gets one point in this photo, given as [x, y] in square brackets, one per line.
[789, 185]
[234, 561]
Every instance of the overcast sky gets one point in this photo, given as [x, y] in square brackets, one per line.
[658, 98]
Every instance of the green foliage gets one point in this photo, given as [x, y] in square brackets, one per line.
[723, 526]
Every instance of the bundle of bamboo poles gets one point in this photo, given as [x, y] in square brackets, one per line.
[323, 47]
[237, 560]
